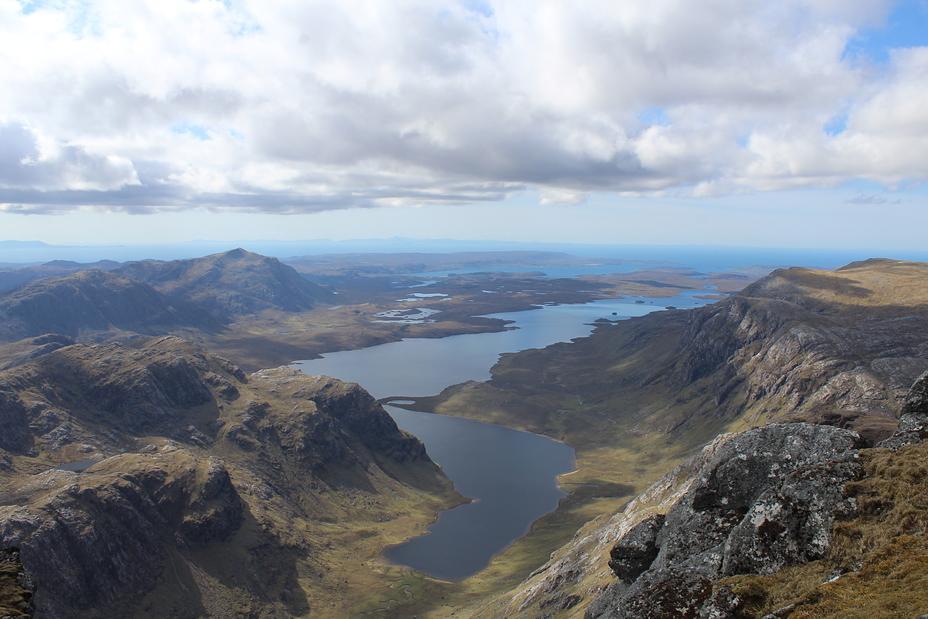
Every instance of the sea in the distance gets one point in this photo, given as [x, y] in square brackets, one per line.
[511, 476]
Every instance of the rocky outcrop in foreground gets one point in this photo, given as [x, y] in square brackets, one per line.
[711, 539]
[762, 500]
[748, 503]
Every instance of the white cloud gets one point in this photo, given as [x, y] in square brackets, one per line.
[315, 105]
[27, 162]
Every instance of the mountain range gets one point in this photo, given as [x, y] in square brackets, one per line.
[768, 447]
[151, 298]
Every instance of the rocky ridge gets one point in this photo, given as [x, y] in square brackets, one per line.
[209, 492]
[17, 586]
[812, 344]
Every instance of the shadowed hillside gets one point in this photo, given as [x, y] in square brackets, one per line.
[56, 268]
[213, 493]
[95, 305]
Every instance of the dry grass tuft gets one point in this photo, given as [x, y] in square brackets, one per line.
[881, 555]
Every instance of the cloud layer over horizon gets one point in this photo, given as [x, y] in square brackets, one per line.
[316, 105]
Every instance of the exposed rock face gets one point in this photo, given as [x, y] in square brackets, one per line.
[839, 348]
[232, 283]
[913, 422]
[636, 551]
[98, 540]
[766, 499]
[749, 503]
[214, 494]
[88, 304]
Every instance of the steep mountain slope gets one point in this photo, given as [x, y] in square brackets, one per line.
[95, 305]
[786, 520]
[232, 283]
[214, 493]
[840, 347]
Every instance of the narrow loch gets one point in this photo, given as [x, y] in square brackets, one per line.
[510, 475]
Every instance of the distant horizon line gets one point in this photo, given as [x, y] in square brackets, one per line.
[237, 243]
[17, 254]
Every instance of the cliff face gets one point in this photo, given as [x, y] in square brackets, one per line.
[213, 493]
[846, 344]
[232, 283]
[763, 500]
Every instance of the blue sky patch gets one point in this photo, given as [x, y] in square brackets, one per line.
[654, 116]
[836, 124]
[906, 26]
[478, 6]
[198, 131]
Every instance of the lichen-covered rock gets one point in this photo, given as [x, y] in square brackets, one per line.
[791, 523]
[636, 551]
[767, 498]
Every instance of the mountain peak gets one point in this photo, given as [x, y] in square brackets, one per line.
[235, 282]
[238, 253]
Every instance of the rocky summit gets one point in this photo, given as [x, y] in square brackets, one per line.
[232, 283]
[155, 479]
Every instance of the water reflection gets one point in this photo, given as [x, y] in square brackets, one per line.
[511, 475]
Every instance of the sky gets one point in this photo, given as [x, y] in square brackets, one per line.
[771, 123]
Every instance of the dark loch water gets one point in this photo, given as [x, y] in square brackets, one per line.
[511, 476]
